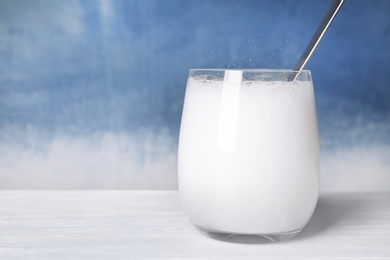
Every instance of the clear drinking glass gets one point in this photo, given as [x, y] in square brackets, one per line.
[249, 152]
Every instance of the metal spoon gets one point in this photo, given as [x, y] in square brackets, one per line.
[315, 39]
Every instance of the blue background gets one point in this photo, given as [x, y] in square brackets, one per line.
[70, 70]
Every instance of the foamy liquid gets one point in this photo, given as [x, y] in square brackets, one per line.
[257, 171]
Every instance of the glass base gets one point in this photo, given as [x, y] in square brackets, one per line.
[250, 238]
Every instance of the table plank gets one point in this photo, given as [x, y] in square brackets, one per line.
[152, 225]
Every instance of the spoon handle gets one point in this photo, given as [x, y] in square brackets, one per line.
[315, 39]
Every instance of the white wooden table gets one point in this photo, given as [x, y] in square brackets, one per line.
[152, 225]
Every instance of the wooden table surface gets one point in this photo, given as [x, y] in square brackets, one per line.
[152, 225]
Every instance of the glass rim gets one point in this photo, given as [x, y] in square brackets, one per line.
[251, 70]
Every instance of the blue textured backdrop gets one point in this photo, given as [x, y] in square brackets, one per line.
[91, 92]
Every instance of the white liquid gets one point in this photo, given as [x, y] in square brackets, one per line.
[257, 171]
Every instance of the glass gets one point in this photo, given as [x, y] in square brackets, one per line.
[248, 160]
